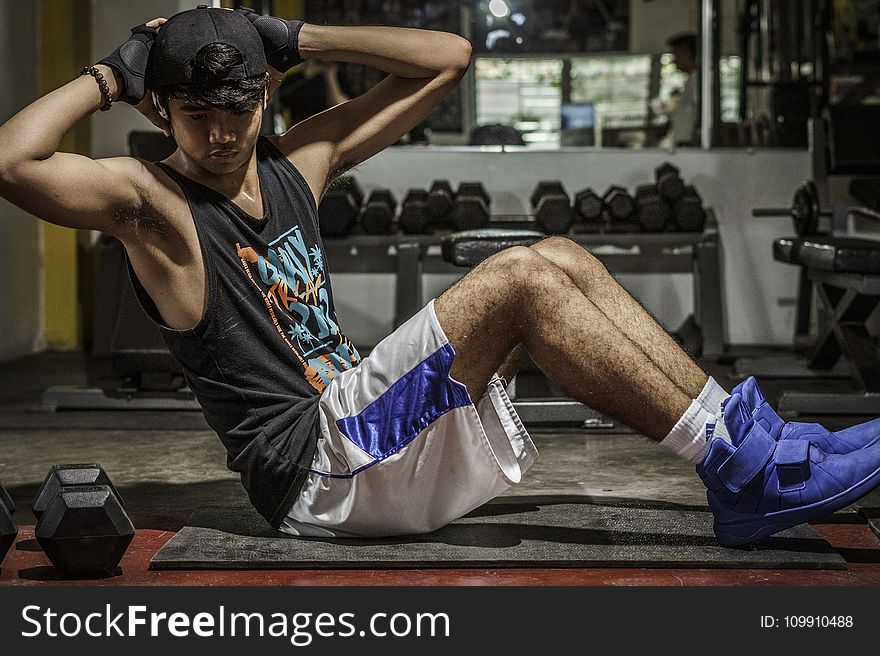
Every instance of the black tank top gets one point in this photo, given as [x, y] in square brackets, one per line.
[269, 341]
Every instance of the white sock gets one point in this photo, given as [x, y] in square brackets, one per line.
[701, 423]
[711, 397]
[691, 435]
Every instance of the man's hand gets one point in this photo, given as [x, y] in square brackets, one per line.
[129, 61]
[280, 38]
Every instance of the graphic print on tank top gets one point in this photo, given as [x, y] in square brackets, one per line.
[293, 283]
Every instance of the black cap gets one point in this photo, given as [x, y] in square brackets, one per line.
[179, 40]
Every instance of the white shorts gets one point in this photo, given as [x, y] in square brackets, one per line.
[402, 448]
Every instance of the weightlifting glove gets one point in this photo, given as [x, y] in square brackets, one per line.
[280, 38]
[130, 61]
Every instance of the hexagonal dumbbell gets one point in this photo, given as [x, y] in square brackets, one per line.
[340, 207]
[415, 219]
[552, 207]
[67, 476]
[377, 217]
[8, 531]
[620, 209]
[472, 206]
[669, 182]
[653, 212]
[441, 203]
[589, 210]
[85, 531]
[6, 500]
[690, 215]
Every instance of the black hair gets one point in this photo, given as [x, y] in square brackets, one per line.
[688, 40]
[211, 65]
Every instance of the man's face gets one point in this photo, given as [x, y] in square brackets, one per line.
[219, 141]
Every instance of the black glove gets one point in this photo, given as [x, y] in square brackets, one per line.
[130, 61]
[280, 38]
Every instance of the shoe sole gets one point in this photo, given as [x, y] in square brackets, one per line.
[744, 531]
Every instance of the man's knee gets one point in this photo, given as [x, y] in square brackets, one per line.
[527, 269]
[571, 257]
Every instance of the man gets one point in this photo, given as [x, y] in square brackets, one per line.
[684, 116]
[225, 255]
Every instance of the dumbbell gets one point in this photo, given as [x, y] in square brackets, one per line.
[589, 210]
[620, 209]
[690, 216]
[8, 529]
[415, 219]
[67, 476]
[669, 182]
[6, 500]
[552, 207]
[653, 213]
[82, 527]
[472, 205]
[441, 203]
[377, 217]
[340, 207]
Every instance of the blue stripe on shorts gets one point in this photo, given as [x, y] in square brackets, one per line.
[409, 406]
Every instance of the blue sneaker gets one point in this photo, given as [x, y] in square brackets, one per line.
[759, 486]
[843, 441]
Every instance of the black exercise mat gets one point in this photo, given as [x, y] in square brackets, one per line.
[535, 531]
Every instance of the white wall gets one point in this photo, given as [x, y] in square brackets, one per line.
[759, 292]
[20, 256]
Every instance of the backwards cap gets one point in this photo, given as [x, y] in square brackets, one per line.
[179, 40]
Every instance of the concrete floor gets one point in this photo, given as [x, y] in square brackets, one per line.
[164, 473]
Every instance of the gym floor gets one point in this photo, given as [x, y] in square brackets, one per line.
[167, 464]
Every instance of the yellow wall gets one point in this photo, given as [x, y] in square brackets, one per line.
[65, 28]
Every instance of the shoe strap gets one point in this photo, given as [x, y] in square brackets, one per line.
[748, 460]
[792, 459]
[769, 420]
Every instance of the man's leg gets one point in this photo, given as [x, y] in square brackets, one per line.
[594, 281]
[521, 297]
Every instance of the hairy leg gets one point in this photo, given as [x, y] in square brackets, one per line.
[594, 281]
[519, 297]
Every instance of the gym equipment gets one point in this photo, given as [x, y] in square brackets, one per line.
[512, 531]
[377, 217]
[669, 183]
[340, 207]
[472, 205]
[441, 202]
[8, 531]
[846, 275]
[588, 206]
[415, 219]
[69, 476]
[805, 210]
[6, 500]
[688, 211]
[620, 209]
[653, 213]
[552, 207]
[84, 530]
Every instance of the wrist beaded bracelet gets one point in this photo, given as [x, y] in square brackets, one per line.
[102, 84]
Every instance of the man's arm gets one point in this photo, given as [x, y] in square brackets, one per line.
[66, 189]
[72, 190]
[423, 67]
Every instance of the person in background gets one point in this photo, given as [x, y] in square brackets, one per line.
[685, 116]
